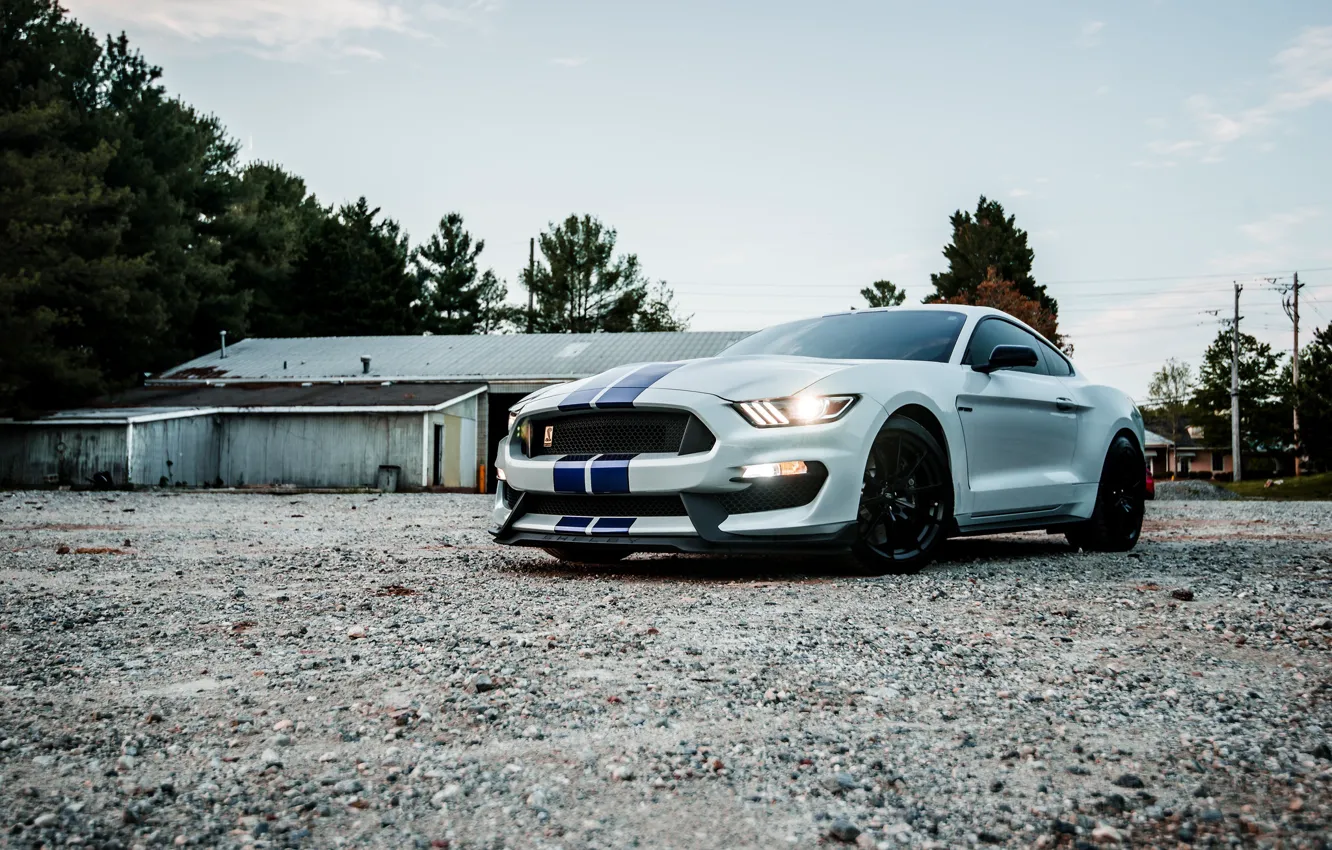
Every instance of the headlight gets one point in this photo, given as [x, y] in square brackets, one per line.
[513, 417]
[796, 410]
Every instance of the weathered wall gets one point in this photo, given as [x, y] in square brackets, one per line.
[41, 455]
[176, 452]
[313, 450]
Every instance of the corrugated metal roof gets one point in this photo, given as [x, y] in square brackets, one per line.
[293, 395]
[165, 401]
[448, 358]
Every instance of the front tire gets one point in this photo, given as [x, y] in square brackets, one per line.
[906, 500]
[1121, 501]
[588, 553]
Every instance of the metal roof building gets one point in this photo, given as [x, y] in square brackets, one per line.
[539, 358]
[391, 411]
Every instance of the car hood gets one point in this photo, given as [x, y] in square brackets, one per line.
[738, 378]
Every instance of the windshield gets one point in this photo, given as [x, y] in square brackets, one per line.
[871, 335]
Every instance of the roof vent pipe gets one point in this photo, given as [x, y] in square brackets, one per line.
[365, 364]
[224, 344]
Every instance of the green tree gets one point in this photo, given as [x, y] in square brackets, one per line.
[354, 278]
[446, 267]
[1265, 423]
[983, 240]
[67, 285]
[264, 237]
[1315, 399]
[883, 293]
[1170, 389]
[582, 286]
[180, 168]
[494, 314]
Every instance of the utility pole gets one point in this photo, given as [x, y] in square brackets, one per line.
[531, 279]
[1234, 392]
[1291, 305]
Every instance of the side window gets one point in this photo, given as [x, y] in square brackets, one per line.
[1055, 363]
[992, 332]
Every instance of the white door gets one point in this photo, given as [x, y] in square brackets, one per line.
[1020, 427]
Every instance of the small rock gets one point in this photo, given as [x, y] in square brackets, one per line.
[282, 725]
[996, 786]
[483, 683]
[270, 757]
[1296, 805]
[1183, 594]
[1130, 780]
[1106, 834]
[62, 550]
[356, 632]
[843, 830]
[347, 786]
[840, 783]
[45, 819]
[1321, 623]
[622, 772]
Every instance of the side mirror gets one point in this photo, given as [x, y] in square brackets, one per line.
[1008, 357]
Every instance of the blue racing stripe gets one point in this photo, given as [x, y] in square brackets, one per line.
[576, 524]
[610, 473]
[570, 474]
[625, 391]
[613, 525]
[580, 399]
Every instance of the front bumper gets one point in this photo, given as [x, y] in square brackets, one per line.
[702, 481]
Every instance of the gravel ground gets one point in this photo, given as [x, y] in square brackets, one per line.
[335, 670]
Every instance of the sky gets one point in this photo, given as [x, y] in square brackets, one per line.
[769, 159]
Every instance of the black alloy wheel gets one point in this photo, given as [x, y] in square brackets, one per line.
[906, 500]
[1121, 501]
[588, 553]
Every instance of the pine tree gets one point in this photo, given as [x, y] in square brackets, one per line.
[447, 271]
[883, 293]
[582, 286]
[984, 240]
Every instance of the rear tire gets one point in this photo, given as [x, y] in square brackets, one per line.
[906, 500]
[1121, 501]
[588, 554]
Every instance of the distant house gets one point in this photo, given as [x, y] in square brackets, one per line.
[421, 411]
[1187, 456]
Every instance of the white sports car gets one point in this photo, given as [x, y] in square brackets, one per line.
[878, 432]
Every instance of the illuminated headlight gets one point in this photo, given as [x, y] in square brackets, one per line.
[774, 470]
[499, 473]
[513, 417]
[796, 410]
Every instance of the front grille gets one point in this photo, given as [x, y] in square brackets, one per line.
[603, 506]
[610, 433]
[775, 494]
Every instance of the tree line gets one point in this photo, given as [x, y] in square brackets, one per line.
[131, 234]
[1181, 399]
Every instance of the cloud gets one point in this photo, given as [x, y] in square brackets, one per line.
[569, 61]
[1276, 228]
[1018, 193]
[1301, 78]
[282, 29]
[1090, 35]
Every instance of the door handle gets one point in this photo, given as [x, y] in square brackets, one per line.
[1065, 404]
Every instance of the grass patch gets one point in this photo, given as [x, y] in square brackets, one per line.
[1315, 488]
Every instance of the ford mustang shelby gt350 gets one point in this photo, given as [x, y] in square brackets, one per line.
[878, 432]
